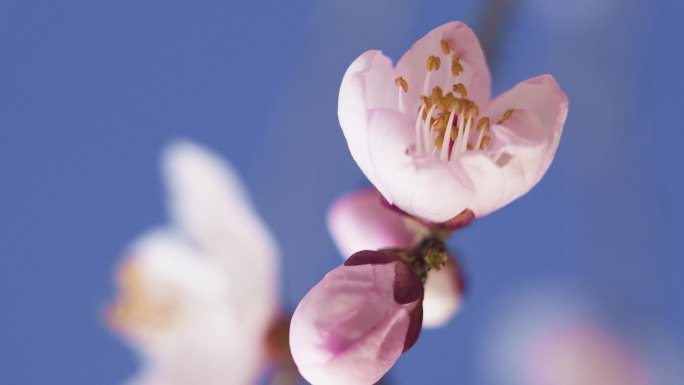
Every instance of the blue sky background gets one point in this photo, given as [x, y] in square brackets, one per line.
[90, 92]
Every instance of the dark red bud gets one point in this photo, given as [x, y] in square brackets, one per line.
[370, 257]
[408, 287]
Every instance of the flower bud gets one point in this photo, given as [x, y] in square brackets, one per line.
[354, 324]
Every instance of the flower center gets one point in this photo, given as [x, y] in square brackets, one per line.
[136, 309]
[447, 123]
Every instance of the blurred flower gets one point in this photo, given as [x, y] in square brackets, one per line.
[582, 354]
[427, 136]
[199, 298]
[548, 337]
[353, 325]
[359, 221]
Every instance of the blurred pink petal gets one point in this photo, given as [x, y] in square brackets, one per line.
[498, 150]
[583, 354]
[443, 295]
[197, 300]
[354, 324]
[549, 337]
[210, 206]
[359, 221]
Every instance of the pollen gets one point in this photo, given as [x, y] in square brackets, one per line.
[485, 141]
[445, 46]
[456, 66]
[136, 310]
[461, 89]
[433, 63]
[448, 122]
[483, 124]
[473, 111]
[506, 116]
[401, 82]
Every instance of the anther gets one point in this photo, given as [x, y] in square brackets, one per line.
[472, 111]
[437, 92]
[456, 66]
[485, 140]
[439, 141]
[483, 124]
[401, 82]
[506, 115]
[445, 46]
[433, 63]
[461, 89]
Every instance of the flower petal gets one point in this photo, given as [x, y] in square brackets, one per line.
[367, 84]
[175, 308]
[350, 329]
[443, 295]
[463, 41]
[425, 187]
[209, 204]
[358, 221]
[525, 143]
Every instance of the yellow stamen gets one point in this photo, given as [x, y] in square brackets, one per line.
[506, 116]
[401, 82]
[445, 46]
[135, 308]
[485, 140]
[439, 141]
[456, 66]
[433, 63]
[461, 89]
[472, 111]
[483, 124]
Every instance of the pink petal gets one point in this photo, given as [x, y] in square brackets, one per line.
[526, 143]
[209, 204]
[358, 221]
[366, 85]
[461, 39]
[584, 354]
[354, 324]
[176, 310]
[425, 187]
[443, 295]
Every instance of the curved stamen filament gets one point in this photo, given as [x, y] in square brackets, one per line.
[444, 154]
[420, 142]
[447, 116]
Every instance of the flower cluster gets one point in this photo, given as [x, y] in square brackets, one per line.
[198, 298]
[440, 154]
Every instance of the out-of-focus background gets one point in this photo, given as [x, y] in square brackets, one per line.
[90, 93]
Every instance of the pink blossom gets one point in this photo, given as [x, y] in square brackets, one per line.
[359, 221]
[396, 119]
[198, 297]
[354, 324]
[583, 354]
[548, 336]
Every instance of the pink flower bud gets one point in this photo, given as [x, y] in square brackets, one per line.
[354, 324]
[361, 221]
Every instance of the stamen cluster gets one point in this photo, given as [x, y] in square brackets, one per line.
[448, 123]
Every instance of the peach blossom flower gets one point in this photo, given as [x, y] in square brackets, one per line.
[548, 336]
[198, 297]
[426, 134]
[359, 221]
[353, 325]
